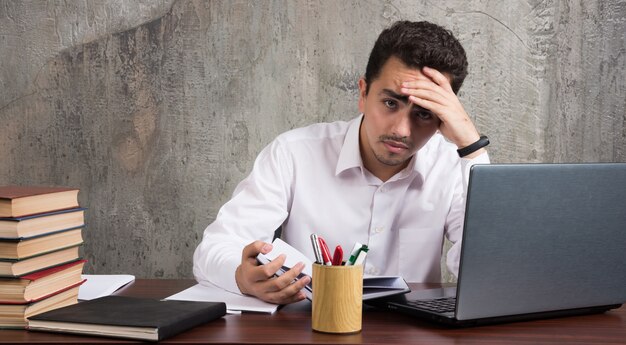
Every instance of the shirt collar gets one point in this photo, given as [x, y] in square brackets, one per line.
[350, 155]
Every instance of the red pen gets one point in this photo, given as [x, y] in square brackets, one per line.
[338, 256]
[325, 251]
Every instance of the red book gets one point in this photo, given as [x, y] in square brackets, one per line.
[18, 201]
[42, 284]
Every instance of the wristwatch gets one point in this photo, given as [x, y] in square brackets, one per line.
[479, 144]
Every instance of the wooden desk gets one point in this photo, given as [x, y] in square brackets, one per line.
[292, 325]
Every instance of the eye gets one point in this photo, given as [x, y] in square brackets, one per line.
[390, 103]
[423, 114]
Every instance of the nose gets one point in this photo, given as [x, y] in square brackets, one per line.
[402, 125]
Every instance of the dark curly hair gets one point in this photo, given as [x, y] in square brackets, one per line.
[418, 44]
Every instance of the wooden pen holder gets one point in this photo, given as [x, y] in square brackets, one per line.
[337, 298]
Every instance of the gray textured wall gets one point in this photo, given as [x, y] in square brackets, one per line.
[157, 109]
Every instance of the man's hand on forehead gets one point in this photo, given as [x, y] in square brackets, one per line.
[433, 91]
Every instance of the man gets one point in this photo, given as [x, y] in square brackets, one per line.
[391, 178]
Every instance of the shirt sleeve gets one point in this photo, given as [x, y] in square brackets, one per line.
[258, 207]
[456, 216]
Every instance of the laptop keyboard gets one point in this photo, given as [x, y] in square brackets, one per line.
[440, 305]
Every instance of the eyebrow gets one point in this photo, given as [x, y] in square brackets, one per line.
[391, 93]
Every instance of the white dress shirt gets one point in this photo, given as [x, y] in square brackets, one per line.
[312, 180]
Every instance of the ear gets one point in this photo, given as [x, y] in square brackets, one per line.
[362, 94]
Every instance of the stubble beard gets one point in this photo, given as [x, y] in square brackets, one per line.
[389, 161]
[390, 158]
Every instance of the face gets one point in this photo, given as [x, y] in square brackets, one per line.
[393, 128]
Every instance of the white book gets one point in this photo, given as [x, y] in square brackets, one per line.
[235, 303]
[373, 286]
[100, 285]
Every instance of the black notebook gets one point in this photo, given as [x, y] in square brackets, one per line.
[128, 317]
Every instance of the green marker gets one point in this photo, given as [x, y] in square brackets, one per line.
[356, 250]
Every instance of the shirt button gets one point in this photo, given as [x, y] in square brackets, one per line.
[379, 229]
[382, 189]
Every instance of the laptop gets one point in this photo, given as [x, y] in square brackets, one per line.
[539, 241]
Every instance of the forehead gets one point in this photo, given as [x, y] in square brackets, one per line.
[395, 72]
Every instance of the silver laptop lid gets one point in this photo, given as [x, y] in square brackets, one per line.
[542, 237]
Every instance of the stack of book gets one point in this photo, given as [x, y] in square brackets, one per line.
[40, 267]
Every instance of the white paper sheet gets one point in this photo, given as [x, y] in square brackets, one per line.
[293, 256]
[235, 303]
[100, 285]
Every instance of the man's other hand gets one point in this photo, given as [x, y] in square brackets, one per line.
[259, 280]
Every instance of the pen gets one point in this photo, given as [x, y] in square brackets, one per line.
[361, 257]
[338, 256]
[316, 249]
[354, 253]
[325, 251]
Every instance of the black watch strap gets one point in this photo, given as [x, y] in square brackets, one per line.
[479, 144]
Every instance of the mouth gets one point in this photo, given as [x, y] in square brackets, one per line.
[395, 146]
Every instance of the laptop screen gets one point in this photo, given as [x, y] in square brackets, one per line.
[542, 237]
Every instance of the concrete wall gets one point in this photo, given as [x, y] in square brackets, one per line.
[157, 109]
